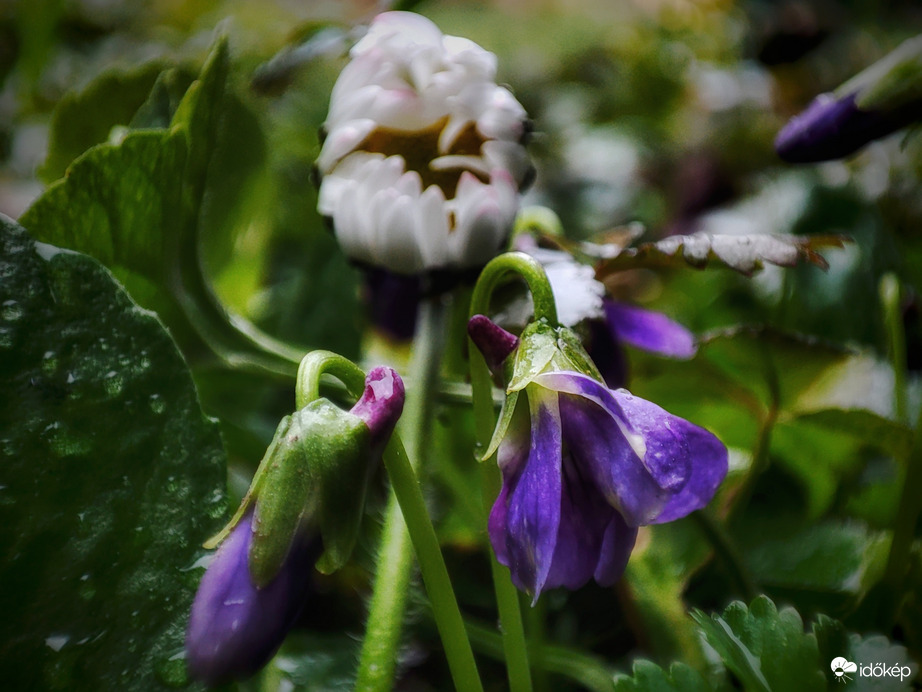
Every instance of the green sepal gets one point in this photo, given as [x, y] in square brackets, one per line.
[505, 418]
[572, 355]
[255, 484]
[345, 466]
[537, 347]
[317, 477]
[283, 494]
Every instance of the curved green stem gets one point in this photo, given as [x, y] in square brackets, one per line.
[529, 269]
[318, 363]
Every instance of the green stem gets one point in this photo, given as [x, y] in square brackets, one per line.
[910, 505]
[318, 363]
[406, 510]
[507, 599]
[587, 671]
[432, 566]
[526, 267]
[907, 516]
[727, 554]
[896, 340]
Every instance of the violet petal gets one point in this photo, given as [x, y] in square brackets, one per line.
[494, 342]
[649, 330]
[533, 511]
[584, 517]
[617, 544]
[675, 445]
[381, 403]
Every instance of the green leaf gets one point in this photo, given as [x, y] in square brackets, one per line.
[85, 118]
[834, 642]
[140, 207]
[649, 677]
[828, 565]
[111, 479]
[765, 648]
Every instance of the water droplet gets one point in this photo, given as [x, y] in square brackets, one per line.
[10, 311]
[172, 671]
[56, 642]
[113, 383]
[49, 362]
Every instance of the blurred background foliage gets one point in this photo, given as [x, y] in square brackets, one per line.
[655, 112]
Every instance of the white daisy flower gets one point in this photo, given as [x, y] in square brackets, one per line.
[423, 160]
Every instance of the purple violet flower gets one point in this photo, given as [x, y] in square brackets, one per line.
[237, 622]
[583, 466]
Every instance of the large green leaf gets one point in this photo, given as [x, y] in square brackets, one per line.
[85, 118]
[141, 205]
[110, 479]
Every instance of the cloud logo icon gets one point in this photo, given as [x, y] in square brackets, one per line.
[841, 666]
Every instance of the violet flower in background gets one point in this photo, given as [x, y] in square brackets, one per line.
[882, 99]
[583, 467]
[581, 298]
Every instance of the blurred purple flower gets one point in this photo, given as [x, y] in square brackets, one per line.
[583, 466]
[581, 298]
[832, 128]
[647, 330]
[879, 100]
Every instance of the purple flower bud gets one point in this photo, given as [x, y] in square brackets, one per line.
[235, 628]
[494, 342]
[381, 403]
[833, 127]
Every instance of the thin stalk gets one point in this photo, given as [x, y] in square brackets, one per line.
[896, 342]
[907, 516]
[498, 270]
[727, 554]
[432, 566]
[587, 671]
[910, 506]
[378, 657]
[507, 599]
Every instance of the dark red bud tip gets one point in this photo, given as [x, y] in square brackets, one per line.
[494, 342]
[382, 401]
